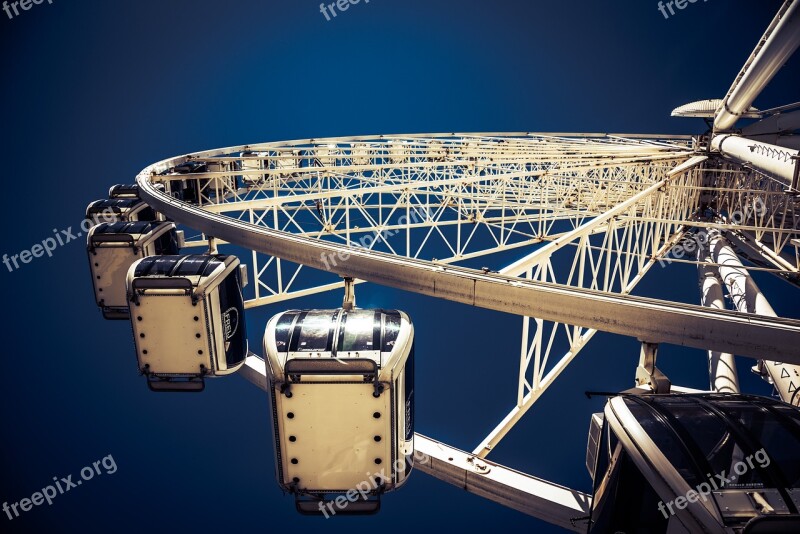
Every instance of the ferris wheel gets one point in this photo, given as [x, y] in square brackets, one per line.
[202, 238]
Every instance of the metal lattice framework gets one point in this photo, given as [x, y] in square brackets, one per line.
[568, 225]
[451, 199]
[594, 212]
[576, 217]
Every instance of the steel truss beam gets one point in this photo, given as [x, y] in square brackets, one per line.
[622, 174]
[593, 214]
[411, 198]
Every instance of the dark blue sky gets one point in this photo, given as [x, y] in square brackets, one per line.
[93, 91]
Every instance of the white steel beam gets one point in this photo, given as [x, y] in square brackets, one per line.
[782, 123]
[748, 298]
[542, 254]
[533, 496]
[655, 320]
[555, 504]
[777, 45]
[721, 365]
[529, 394]
[772, 160]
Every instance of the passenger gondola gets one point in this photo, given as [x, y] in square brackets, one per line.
[342, 389]
[188, 189]
[253, 161]
[119, 210]
[695, 463]
[195, 189]
[128, 190]
[114, 247]
[187, 314]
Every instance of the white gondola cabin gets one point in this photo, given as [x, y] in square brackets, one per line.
[342, 386]
[119, 210]
[114, 247]
[129, 190]
[200, 189]
[124, 191]
[253, 161]
[187, 314]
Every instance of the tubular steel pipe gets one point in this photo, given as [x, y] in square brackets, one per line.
[773, 50]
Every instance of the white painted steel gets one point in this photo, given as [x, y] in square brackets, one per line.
[775, 124]
[747, 297]
[658, 321]
[777, 45]
[721, 365]
[775, 161]
[533, 496]
[610, 207]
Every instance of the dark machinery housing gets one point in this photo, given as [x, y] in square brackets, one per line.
[695, 463]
